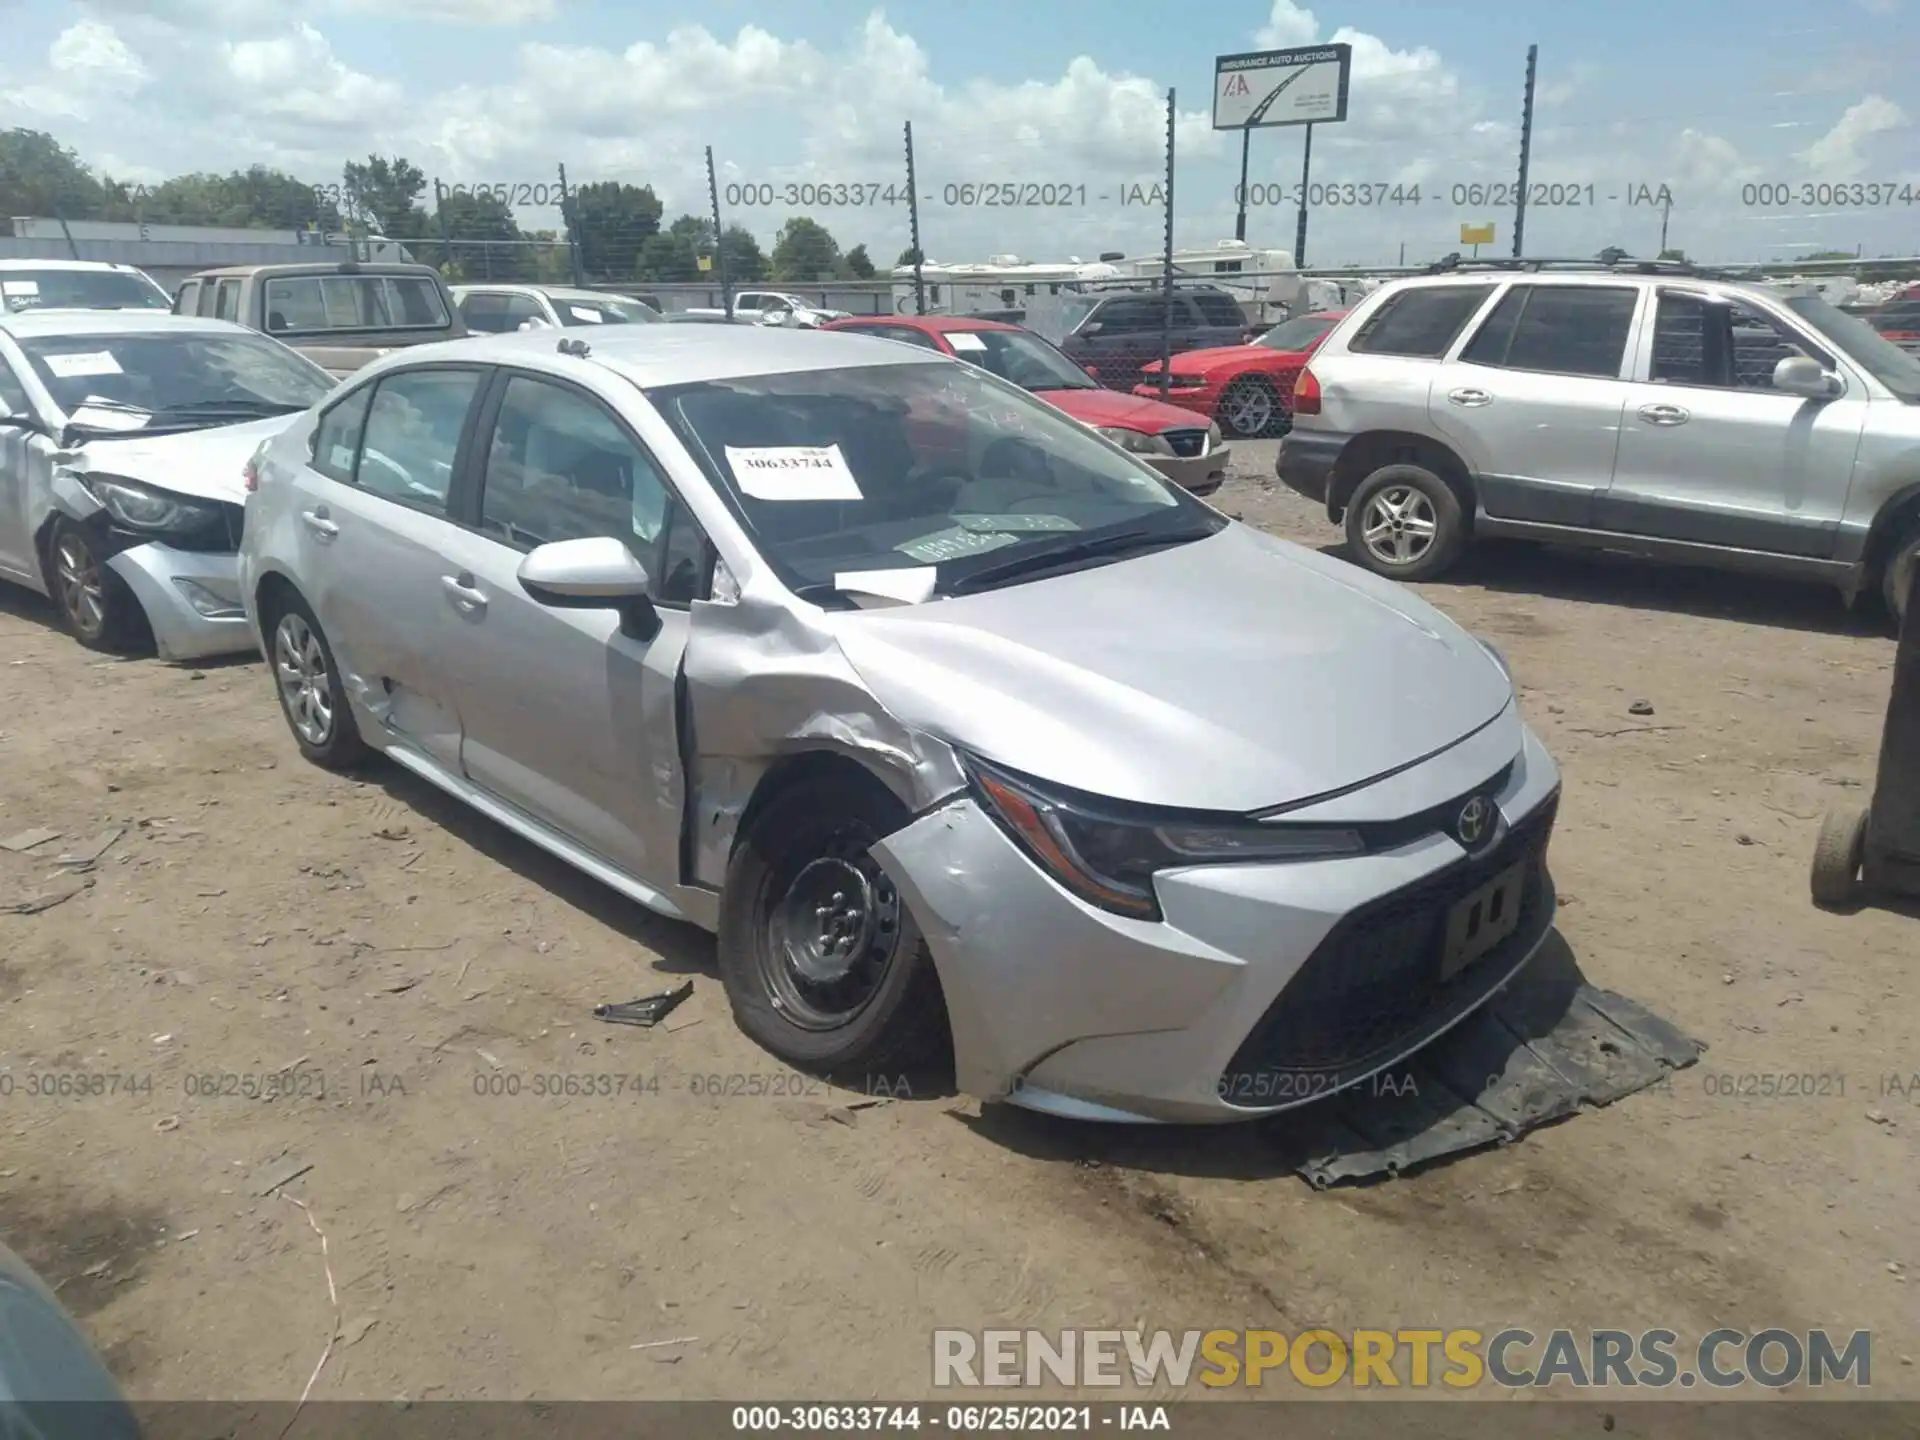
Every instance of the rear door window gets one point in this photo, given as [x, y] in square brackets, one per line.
[412, 435]
[1420, 322]
[1558, 330]
[1220, 310]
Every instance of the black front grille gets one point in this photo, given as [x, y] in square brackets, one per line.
[1187, 443]
[1375, 979]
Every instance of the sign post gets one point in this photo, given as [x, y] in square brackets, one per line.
[1260, 88]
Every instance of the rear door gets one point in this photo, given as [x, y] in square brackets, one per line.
[374, 527]
[1532, 399]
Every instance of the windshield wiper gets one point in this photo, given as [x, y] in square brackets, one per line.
[217, 409]
[1059, 557]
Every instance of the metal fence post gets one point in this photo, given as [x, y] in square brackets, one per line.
[574, 241]
[1166, 265]
[913, 229]
[440, 214]
[1300, 226]
[1526, 153]
[719, 236]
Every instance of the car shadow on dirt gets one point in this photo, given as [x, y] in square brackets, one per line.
[1534, 1002]
[1605, 577]
[678, 948]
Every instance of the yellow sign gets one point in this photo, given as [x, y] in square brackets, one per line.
[1477, 234]
[705, 262]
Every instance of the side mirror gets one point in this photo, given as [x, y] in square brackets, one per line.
[1801, 375]
[536, 322]
[1091, 328]
[597, 573]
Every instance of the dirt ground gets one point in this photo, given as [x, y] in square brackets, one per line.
[416, 964]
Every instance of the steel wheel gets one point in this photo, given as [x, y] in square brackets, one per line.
[832, 935]
[1248, 408]
[79, 585]
[306, 685]
[1399, 525]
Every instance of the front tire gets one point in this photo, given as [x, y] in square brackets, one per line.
[1249, 409]
[1837, 857]
[1900, 575]
[313, 698]
[96, 606]
[1405, 522]
[823, 962]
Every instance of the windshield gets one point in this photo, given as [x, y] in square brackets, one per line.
[1873, 352]
[1302, 332]
[172, 381]
[1020, 359]
[911, 467]
[601, 310]
[80, 290]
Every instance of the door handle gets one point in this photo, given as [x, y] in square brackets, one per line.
[465, 595]
[1663, 414]
[319, 524]
[1470, 398]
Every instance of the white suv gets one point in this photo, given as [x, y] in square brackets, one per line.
[1635, 406]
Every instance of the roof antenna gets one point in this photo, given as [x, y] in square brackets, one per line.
[579, 349]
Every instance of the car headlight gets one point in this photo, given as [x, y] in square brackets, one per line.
[1107, 853]
[1138, 442]
[143, 507]
[1214, 437]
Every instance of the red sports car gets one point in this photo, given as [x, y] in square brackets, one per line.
[1247, 388]
[1165, 436]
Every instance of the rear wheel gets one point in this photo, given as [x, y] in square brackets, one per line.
[1898, 577]
[96, 605]
[1249, 409]
[1405, 522]
[823, 962]
[312, 695]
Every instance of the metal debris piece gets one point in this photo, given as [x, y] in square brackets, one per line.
[91, 851]
[649, 1010]
[57, 892]
[1537, 1053]
[283, 1175]
[28, 839]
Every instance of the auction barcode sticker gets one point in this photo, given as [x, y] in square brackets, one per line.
[793, 472]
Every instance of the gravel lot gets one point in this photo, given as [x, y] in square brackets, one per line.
[407, 961]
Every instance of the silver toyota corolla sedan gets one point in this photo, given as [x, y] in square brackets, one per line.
[954, 721]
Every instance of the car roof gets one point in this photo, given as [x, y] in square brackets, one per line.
[657, 355]
[318, 267]
[552, 292]
[932, 324]
[53, 323]
[14, 263]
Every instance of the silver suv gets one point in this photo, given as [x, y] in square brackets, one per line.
[1638, 406]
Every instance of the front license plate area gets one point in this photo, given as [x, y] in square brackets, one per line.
[1482, 920]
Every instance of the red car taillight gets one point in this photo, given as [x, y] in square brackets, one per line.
[251, 474]
[1306, 394]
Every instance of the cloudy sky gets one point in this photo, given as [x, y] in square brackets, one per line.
[1710, 99]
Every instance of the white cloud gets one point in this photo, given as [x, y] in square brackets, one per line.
[1837, 154]
[92, 52]
[296, 77]
[455, 12]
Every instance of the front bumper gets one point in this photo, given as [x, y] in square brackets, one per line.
[1202, 474]
[1265, 986]
[191, 599]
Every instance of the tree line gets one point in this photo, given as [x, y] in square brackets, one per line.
[620, 230]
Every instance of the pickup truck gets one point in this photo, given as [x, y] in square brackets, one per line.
[341, 315]
[752, 307]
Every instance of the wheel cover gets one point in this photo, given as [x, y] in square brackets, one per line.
[832, 933]
[1250, 408]
[1399, 525]
[79, 585]
[306, 684]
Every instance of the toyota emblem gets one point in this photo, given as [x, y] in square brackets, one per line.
[1472, 824]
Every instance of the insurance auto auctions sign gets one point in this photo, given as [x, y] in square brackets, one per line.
[1304, 86]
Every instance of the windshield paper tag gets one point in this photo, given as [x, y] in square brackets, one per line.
[986, 523]
[19, 287]
[962, 340]
[910, 587]
[97, 419]
[90, 362]
[793, 472]
[586, 317]
[952, 544]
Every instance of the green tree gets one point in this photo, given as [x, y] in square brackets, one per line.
[257, 198]
[804, 250]
[485, 242]
[910, 256]
[40, 176]
[745, 263]
[1831, 255]
[859, 265]
[384, 194]
[612, 223]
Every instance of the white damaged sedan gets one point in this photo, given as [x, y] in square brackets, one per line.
[957, 723]
[124, 437]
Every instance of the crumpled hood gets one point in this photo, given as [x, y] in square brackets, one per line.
[1127, 412]
[1235, 673]
[205, 464]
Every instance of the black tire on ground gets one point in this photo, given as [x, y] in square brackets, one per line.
[817, 834]
[96, 606]
[1901, 574]
[1836, 859]
[1264, 412]
[313, 698]
[1431, 533]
